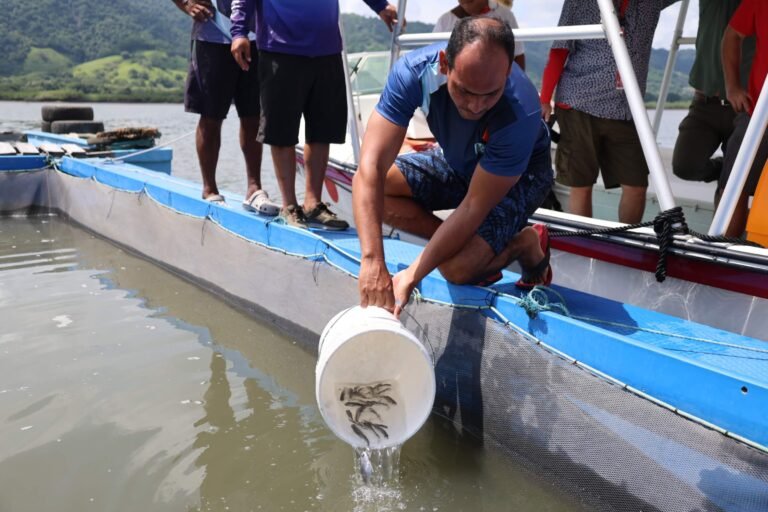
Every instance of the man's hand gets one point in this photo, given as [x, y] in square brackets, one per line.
[389, 16]
[403, 284]
[375, 285]
[241, 51]
[200, 10]
[546, 111]
[740, 99]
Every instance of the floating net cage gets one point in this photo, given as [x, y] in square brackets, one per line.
[604, 444]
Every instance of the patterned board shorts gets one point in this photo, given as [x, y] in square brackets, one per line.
[435, 186]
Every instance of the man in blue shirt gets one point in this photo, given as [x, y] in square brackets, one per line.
[494, 168]
[214, 82]
[300, 73]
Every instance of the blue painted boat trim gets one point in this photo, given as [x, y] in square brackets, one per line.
[36, 137]
[22, 162]
[159, 159]
[717, 376]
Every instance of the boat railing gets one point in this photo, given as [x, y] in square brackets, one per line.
[741, 167]
[610, 30]
[677, 40]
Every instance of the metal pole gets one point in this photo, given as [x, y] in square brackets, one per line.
[671, 59]
[351, 111]
[521, 34]
[636, 105]
[742, 165]
[396, 31]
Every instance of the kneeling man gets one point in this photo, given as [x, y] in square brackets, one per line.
[493, 167]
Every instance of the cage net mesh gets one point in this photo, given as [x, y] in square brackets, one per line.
[589, 435]
[606, 445]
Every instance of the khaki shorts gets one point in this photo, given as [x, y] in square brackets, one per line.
[589, 145]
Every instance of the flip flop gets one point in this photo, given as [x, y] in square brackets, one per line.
[216, 198]
[259, 202]
[529, 277]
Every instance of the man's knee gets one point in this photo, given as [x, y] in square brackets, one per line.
[458, 271]
[395, 183]
[209, 126]
[689, 168]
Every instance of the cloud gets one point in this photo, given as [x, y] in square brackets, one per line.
[535, 13]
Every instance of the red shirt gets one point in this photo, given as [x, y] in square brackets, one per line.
[751, 18]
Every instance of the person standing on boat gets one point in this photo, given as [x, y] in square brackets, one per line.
[215, 81]
[710, 118]
[301, 73]
[597, 134]
[489, 8]
[494, 167]
[750, 19]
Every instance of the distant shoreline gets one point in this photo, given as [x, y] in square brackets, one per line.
[676, 105]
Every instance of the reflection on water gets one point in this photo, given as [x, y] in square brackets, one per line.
[126, 388]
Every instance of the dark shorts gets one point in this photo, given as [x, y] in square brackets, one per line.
[292, 86]
[215, 80]
[590, 145]
[435, 186]
[734, 145]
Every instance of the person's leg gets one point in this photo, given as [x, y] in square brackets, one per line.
[252, 152]
[208, 142]
[739, 218]
[248, 104]
[622, 162]
[576, 159]
[325, 116]
[209, 92]
[738, 222]
[284, 160]
[698, 138]
[580, 201]
[632, 204]
[402, 211]
[284, 88]
[315, 164]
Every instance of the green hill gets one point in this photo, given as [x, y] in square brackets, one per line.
[89, 50]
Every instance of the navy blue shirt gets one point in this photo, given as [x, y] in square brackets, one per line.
[502, 141]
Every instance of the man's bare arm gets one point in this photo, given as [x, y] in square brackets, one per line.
[200, 10]
[381, 144]
[731, 55]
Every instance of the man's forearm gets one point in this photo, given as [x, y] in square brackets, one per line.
[368, 204]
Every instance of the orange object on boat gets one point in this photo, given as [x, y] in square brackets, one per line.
[757, 223]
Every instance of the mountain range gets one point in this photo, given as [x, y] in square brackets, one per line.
[92, 50]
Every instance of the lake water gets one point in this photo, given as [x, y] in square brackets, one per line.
[173, 122]
[125, 388]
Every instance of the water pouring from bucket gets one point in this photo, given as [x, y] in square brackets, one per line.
[374, 381]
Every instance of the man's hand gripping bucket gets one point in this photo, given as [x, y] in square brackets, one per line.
[374, 381]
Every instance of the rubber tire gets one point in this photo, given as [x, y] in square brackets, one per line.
[45, 126]
[66, 113]
[77, 127]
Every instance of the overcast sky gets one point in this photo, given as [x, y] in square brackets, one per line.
[533, 13]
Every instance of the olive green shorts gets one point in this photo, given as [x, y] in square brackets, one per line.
[590, 145]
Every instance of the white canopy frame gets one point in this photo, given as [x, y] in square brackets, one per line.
[609, 29]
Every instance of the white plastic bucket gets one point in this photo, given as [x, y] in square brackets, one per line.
[374, 381]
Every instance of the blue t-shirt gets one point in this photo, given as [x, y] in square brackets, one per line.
[216, 29]
[502, 141]
[308, 28]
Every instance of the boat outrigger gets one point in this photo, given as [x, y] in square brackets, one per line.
[628, 394]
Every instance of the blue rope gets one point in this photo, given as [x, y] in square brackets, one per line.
[537, 300]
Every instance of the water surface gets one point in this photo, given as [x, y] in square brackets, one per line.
[125, 388]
